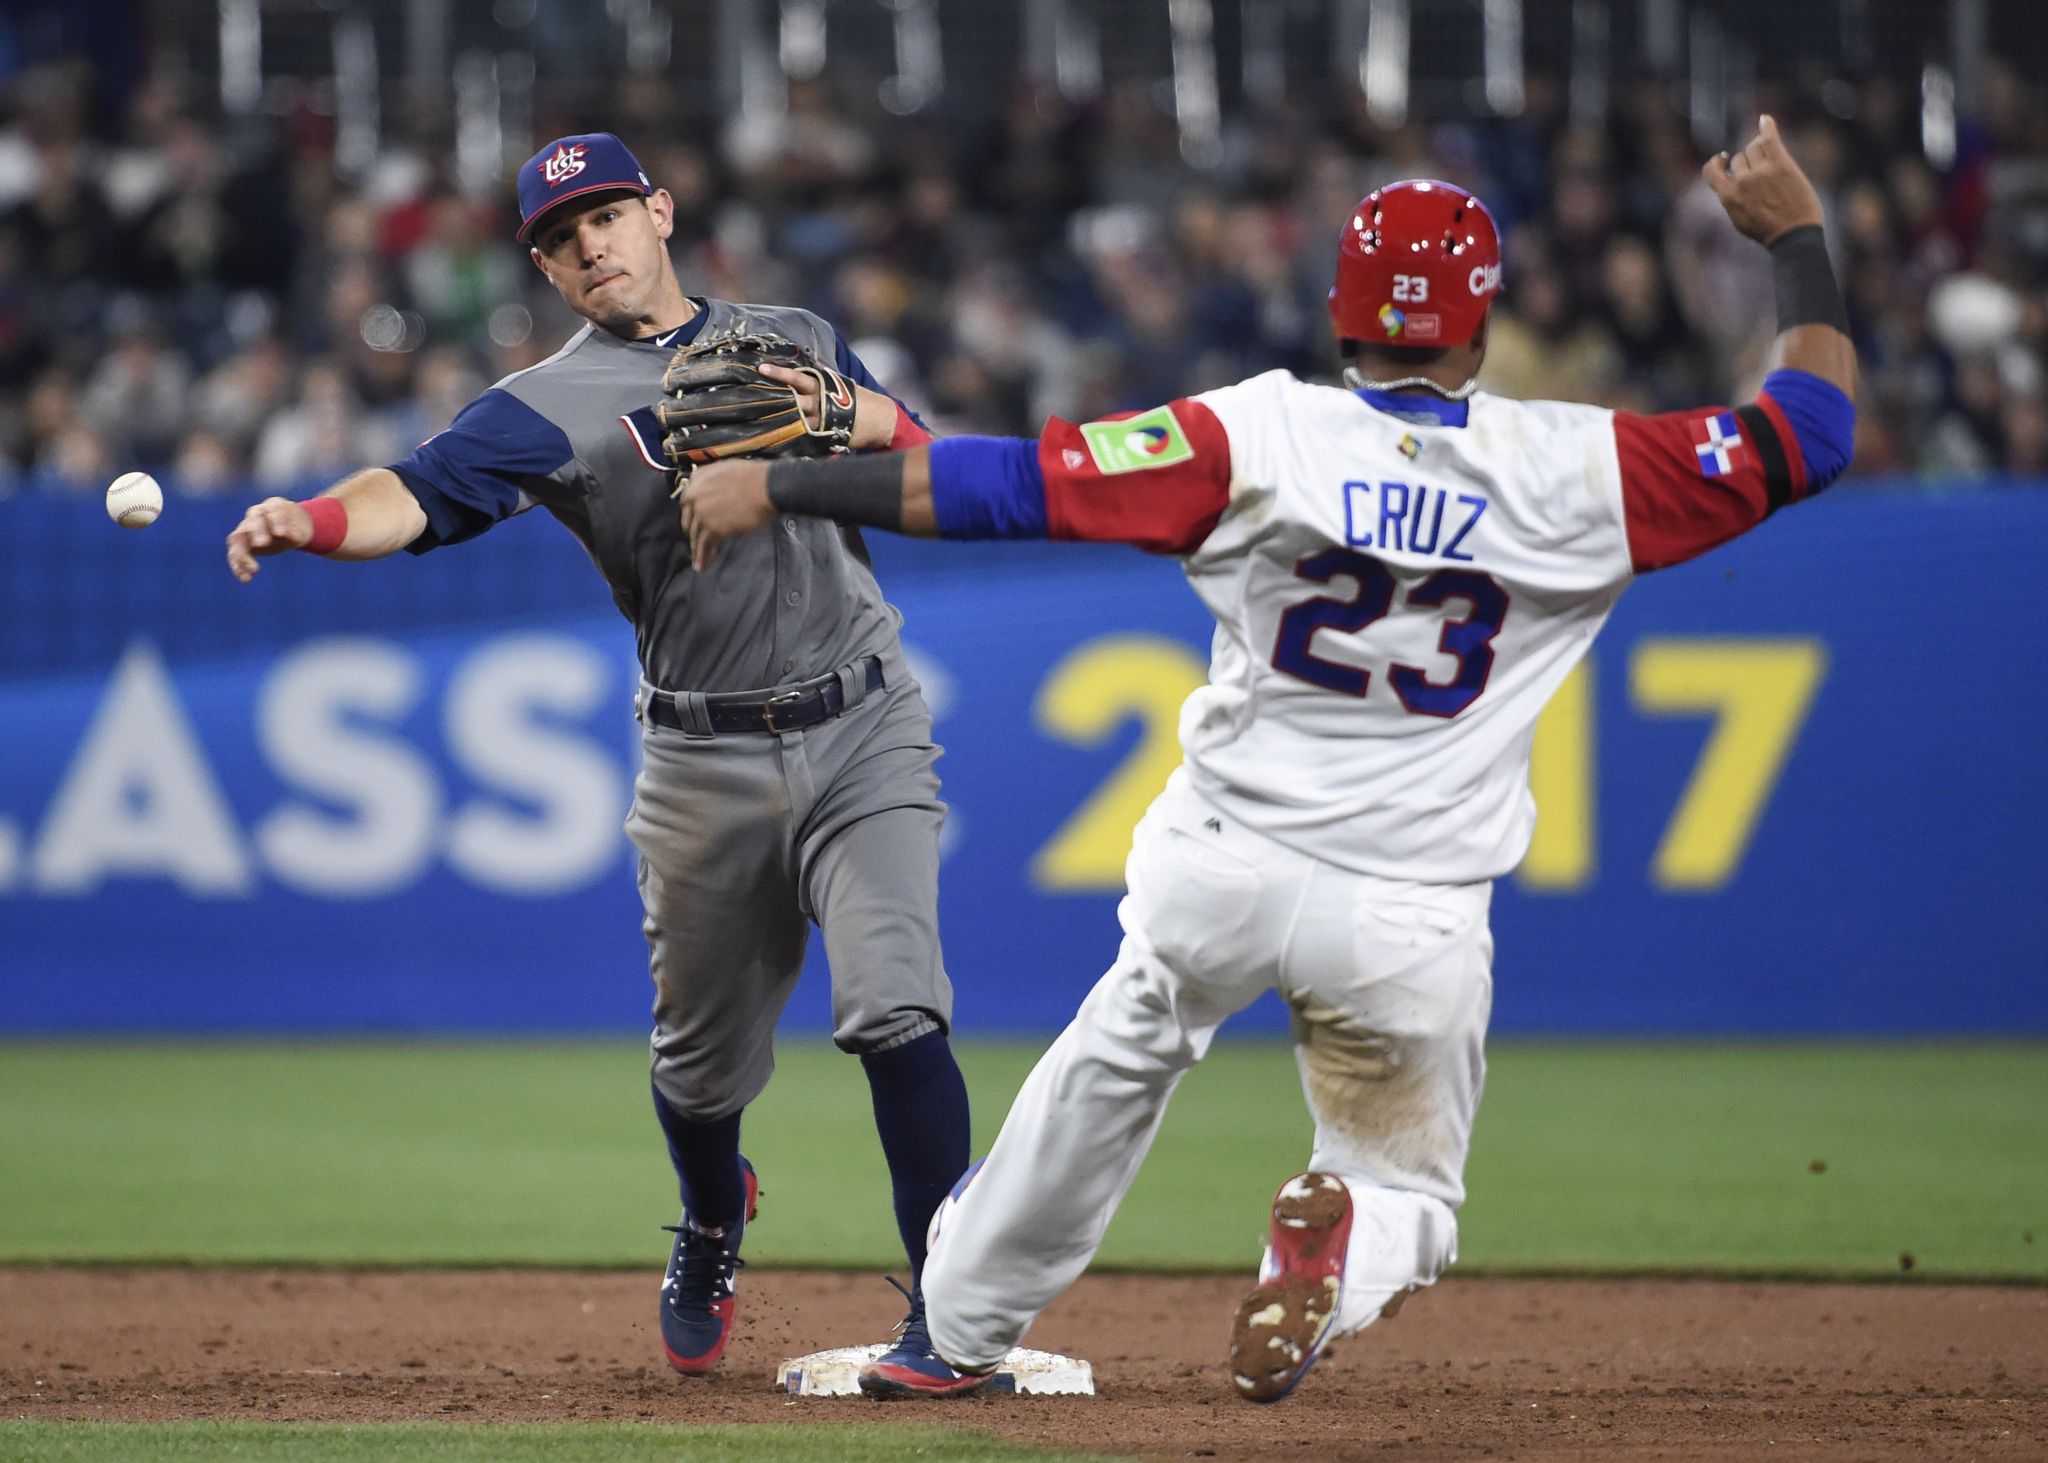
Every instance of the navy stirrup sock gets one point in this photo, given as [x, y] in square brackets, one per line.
[707, 1160]
[921, 1114]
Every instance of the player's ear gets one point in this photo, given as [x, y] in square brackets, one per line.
[540, 261]
[662, 208]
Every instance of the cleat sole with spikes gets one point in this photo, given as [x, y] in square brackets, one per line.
[1285, 1324]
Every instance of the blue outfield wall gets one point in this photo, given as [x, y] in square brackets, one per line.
[1799, 790]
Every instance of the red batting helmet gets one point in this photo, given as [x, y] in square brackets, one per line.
[1417, 264]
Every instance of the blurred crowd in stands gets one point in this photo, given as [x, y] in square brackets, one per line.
[216, 302]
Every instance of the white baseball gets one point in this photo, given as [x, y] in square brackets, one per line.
[134, 500]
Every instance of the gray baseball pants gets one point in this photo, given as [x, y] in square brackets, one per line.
[744, 839]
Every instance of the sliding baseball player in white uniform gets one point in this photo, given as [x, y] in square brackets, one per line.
[1401, 574]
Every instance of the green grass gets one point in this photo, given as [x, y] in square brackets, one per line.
[48, 1442]
[1587, 1157]
[1701, 1157]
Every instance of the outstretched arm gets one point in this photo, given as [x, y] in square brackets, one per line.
[452, 487]
[366, 515]
[1158, 480]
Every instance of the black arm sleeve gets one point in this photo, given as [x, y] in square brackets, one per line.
[866, 489]
[1807, 292]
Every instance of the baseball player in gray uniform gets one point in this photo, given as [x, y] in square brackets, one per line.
[788, 758]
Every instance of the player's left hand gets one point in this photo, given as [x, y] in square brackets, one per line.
[724, 500]
[1763, 188]
[874, 415]
[717, 402]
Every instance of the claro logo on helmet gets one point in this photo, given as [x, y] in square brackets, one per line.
[1485, 278]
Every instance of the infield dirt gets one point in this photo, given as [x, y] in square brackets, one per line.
[1672, 1370]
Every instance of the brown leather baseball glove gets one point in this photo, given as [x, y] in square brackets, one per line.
[716, 403]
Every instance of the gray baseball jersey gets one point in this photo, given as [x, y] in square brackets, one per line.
[746, 835]
[576, 435]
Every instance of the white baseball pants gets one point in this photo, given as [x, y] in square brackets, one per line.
[1390, 985]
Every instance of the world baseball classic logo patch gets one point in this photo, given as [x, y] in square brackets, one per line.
[564, 164]
[1149, 439]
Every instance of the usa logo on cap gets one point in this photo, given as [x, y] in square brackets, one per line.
[571, 167]
[564, 164]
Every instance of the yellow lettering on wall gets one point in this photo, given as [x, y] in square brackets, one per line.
[1561, 760]
[1091, 693]
[1759, 692]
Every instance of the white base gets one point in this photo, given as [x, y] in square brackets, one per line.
[1031, 1373]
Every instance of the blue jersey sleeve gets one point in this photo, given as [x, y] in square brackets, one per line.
[855, 370]
[470, 476]
[1823, 418]
[987, 487]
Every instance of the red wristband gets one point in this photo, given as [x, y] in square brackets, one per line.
[908, 433]
[330, 524]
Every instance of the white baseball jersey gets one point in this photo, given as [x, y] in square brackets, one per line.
[1396, 600]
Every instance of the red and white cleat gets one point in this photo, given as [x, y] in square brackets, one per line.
[1283, 1326]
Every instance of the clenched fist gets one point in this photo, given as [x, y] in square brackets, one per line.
[725, 500]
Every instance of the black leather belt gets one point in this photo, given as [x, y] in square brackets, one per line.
[785, 708]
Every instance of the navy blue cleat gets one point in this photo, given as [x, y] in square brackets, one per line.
[911, 1368]
[697, 1301]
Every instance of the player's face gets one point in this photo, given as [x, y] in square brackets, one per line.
[610, 260]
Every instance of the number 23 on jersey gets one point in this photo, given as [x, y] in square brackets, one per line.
[1467, 637]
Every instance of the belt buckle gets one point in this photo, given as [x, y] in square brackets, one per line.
[781, 698]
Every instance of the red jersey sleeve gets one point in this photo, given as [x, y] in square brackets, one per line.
[1159, 479]
[1693, 479]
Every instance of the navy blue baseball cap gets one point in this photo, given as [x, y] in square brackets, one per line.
[570, 167]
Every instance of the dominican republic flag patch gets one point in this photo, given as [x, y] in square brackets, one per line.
[1723, 441]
